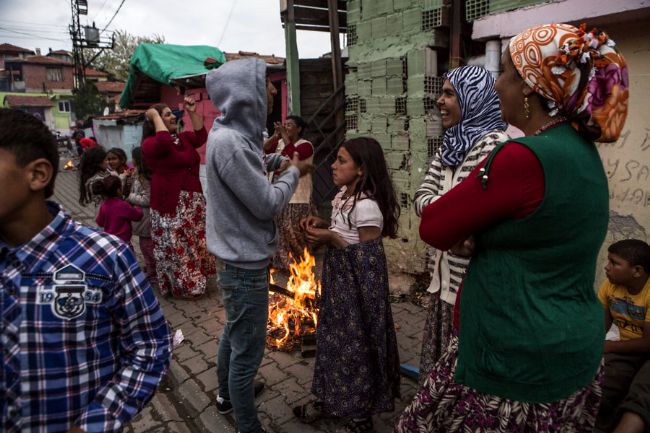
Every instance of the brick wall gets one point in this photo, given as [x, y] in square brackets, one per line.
[36, 79]
[390, 93]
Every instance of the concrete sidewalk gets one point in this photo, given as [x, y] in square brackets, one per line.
[192, 380]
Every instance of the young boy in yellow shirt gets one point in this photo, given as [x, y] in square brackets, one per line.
[625, 406]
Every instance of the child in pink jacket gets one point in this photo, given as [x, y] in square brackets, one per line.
[115, 215]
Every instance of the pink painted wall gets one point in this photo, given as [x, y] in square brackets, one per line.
[169, 96]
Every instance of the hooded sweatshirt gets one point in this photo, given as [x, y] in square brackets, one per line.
[241, 202]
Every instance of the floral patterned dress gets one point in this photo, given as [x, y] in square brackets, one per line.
[183, 262]
[445, 406]
[357, 362]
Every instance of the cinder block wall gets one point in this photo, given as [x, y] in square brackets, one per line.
[390, 95]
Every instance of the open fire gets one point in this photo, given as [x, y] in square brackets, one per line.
[68, 165]
[292, 311]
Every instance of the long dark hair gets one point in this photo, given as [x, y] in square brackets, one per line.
[107, 187]
[89, 165]
[375, 182]
[140, 165]
[148, 128]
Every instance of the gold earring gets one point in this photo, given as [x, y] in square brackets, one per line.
[526, 108]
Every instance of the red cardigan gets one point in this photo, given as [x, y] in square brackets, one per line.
[515, 190]
[174, 164]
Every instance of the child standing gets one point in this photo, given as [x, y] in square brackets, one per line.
[625, 406]
[140, 196]
[83, 338]
[92, 167]
[116, 160]
[357, 365]
[115, 215]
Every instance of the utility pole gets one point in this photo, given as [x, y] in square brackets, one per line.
[84, 37]
[79, 7]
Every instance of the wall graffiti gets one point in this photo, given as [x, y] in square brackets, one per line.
[627, 164]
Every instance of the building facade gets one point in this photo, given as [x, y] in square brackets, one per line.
[626, 162]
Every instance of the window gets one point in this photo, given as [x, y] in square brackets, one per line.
[54, 74]
[64, 106]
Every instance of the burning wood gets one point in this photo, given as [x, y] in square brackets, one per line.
[292, 310]
[68, 165]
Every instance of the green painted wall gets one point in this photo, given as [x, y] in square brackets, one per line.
[390, 93]
[475, 9]
[61, 119]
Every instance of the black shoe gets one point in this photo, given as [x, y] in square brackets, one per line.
[359, 426]
[309, 412]
[224, 406]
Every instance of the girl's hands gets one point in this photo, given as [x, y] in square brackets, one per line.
[189, 104]
[317, 235]
[312, 221]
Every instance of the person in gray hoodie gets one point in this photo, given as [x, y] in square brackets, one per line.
[240, 227]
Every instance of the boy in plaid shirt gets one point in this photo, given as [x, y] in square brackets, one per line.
[83, 338]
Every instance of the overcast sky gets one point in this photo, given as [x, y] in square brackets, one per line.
[230, 25]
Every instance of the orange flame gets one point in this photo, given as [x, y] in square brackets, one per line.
[298, 313]
[68, 165]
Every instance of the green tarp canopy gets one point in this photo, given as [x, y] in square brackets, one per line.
[166, 62]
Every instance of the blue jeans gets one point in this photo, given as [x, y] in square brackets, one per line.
[246, 299]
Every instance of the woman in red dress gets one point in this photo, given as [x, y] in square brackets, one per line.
[183, 262]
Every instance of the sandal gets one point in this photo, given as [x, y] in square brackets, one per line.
[359, 426]
[309, 412]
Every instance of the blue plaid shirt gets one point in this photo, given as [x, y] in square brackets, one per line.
[84, 341]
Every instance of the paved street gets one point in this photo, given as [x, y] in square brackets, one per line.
[186, 399]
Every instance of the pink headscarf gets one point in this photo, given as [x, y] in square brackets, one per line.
[580, 73]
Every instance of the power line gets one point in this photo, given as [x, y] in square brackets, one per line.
[29, 23]
[225, 27]
[30, 34]
[113, 17]
[39, 30]
[100, 10]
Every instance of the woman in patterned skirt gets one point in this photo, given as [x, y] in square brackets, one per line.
[471, 116]
[532, 216]
[287, 140]
[183, 262]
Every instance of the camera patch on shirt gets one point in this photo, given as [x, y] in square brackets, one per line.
[69, 294]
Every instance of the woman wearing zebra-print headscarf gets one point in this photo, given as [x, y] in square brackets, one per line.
[471, 116]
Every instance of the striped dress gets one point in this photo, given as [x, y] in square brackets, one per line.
[447, 270]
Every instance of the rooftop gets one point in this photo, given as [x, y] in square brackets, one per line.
[8, 48]
[90, 72]
[27, 101]
[40, 60]
[110, 86]
[269, 60]
[60, 53]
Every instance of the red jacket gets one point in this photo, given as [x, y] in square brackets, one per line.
[174, 165]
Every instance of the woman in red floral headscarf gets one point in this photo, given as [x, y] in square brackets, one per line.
[532, 216]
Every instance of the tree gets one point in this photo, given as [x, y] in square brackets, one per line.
[87, 101]
[116, 61]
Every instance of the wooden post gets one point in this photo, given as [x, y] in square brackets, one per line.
[292, 59]
[337, 67]
[456, 30]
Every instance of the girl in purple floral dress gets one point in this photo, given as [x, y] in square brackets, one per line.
[357, 363]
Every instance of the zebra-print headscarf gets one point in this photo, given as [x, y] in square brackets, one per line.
[480, 112]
